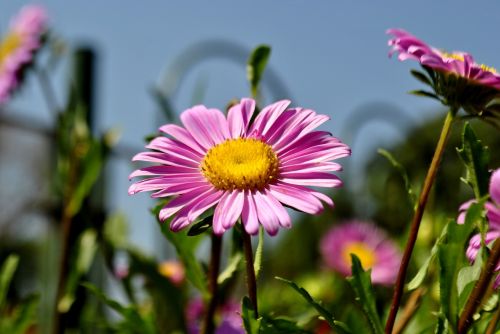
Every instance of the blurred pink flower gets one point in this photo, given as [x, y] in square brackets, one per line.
[229, 315]
[459, 63]
[243, 169]
[493, 215]
[369, 243]
[18, 46]
[173, 270]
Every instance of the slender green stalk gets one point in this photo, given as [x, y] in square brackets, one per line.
[417, 218]
[213, 273]
[251, 280]
[477, 294]
[493, 323]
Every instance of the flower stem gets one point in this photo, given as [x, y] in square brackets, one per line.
[251, 280]
[213, 272]
[477, 294]
[417, 218]
[493, 323]
[409, 310]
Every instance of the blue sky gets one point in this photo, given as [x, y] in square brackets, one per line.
[332, 56]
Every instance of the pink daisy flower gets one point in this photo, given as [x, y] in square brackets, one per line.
[493, 215]
[459, 63]
[457, 80]
[243, 169]
[18, 46]
[370, 244]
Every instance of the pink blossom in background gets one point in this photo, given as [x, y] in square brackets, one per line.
[243, 169]
[369, 243]
[173, 270]
[228, 314]
[18, 46]
[460, 63]
[492, 214]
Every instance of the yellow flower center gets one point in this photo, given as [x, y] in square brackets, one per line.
[365, 255]
[8, 45]
[461, 58]
[240, 164]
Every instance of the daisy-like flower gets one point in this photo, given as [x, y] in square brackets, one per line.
[455, 76]
[493, 216]
[370, 244]
[243, 169]
[18, 46]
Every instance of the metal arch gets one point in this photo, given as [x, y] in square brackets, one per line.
[214, 49]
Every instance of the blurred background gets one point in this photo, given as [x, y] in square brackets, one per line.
[148, 60]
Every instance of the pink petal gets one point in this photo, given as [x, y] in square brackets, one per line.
[183, 136]
[204, 204]
[249, 214]
[179, 202]
[164, 170]
[278, 209]
[239, 117]
[296, 197]
[267, 116]
[207, 126]
[267, 216]
[313, 179]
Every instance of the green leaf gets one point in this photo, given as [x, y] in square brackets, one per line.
[201, 226]
[185, 247]
[280, 326]
[337, 326]
[90, 167]
[422, 272]
[402, 172]
[6, 273]
[425, 94]
[476, 157]
[231, 269]
[256, 65]
[87, 246]
[421, 77]
[252, 325]
[257, 263]
[360, 281]
[451, 258]
[21, 318]
[131, 315]
[466, 278]
[116, 230]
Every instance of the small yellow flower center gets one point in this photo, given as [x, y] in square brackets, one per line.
[461, 58]
[8, 45]
[240, 164]
[365, 255]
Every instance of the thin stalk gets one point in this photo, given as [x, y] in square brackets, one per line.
[417, 218]
[477, 294]
[493, 323]
[409, 310]
[66, 222]
[213, 273]
[251, 280]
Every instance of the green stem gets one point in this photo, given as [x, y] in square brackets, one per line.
[213, 273]
[477, 294]
[251, 280]
[417, 218]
